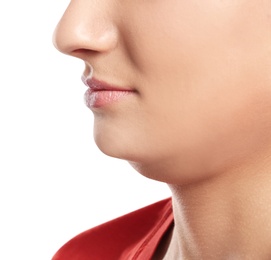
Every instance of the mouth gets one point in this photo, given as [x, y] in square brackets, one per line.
[100, 94]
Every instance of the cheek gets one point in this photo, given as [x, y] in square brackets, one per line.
[205, 139]
[157, 32]
[182, 35]
[216, 117]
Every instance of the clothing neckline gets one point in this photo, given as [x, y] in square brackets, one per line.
[148, 246]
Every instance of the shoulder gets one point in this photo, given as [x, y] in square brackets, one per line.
[113, 237]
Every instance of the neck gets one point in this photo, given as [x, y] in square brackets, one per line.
[226, 217]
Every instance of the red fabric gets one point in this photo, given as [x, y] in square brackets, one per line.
[134, 236]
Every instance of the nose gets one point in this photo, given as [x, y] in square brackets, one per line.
[86, 26]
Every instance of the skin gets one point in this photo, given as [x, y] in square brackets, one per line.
[200, 119]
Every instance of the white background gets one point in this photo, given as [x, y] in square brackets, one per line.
[54, 182]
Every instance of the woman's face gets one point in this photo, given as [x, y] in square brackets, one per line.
[201, 72]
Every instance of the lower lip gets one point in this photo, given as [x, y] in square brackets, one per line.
[100, 98]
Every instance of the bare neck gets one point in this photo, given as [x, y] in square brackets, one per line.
[227, 217]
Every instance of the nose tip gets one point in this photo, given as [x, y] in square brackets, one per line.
[83, 29]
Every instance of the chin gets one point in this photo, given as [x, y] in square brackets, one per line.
[114, 146]
[117, 138]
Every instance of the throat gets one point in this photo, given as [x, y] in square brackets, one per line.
[225, 218]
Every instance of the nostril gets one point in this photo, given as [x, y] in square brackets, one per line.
[82, 53]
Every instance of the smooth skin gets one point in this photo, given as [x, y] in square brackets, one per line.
[200, 119]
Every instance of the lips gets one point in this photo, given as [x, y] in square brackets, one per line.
[100, 94]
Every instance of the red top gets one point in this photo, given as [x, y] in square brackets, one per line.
[131, 237]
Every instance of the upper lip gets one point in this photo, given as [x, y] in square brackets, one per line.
[98, 85]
